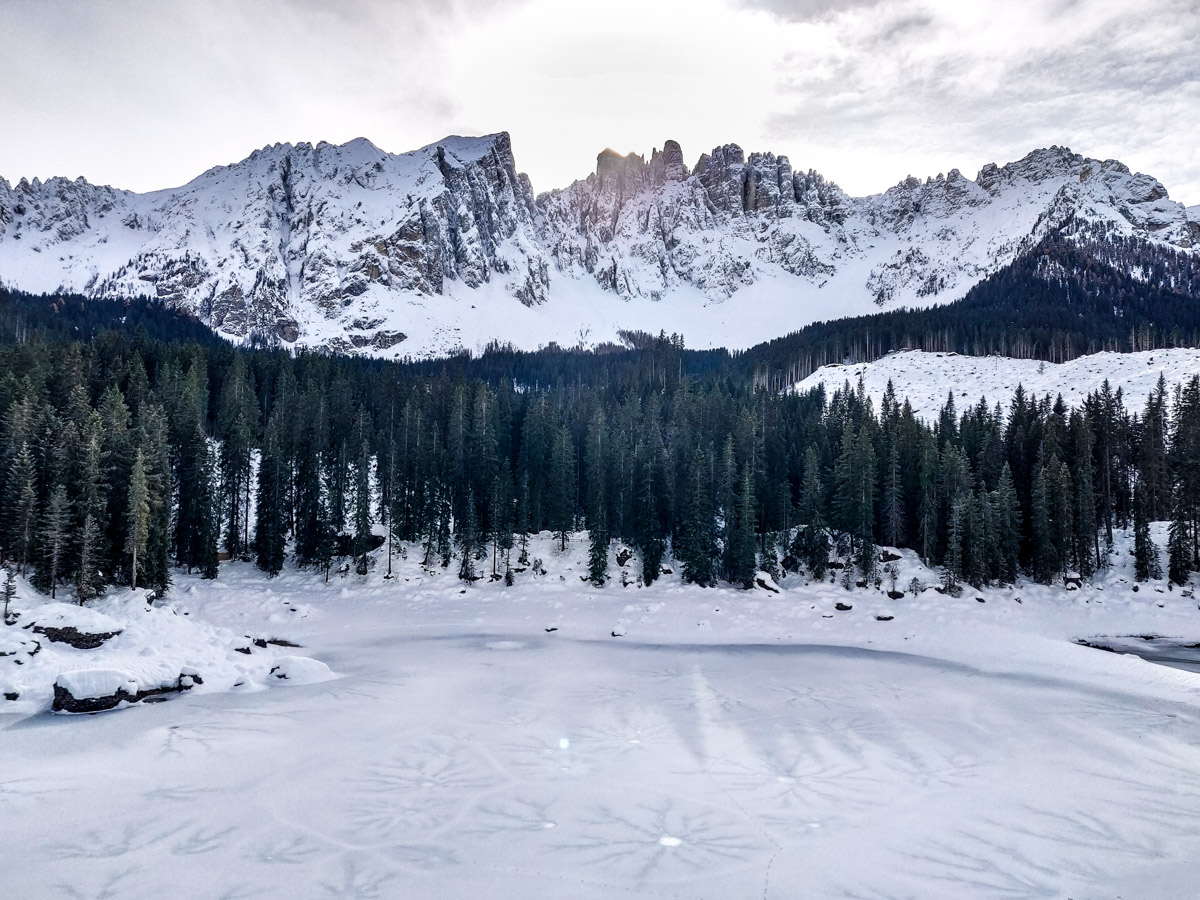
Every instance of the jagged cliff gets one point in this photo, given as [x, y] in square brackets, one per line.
[350, 247]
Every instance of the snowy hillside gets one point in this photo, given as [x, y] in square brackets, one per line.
[926, 379]
[356, 249]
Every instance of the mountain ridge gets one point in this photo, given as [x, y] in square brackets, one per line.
[349, 247]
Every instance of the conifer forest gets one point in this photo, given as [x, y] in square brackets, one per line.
[128, 456]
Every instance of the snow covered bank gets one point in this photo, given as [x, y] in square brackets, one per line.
[124, 650]
[925, 379]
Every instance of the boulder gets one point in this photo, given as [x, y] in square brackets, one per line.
[96, 690]
[64, 623]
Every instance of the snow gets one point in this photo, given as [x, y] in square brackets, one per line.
[68, 615]
[926, 378]
[92, 683]
[963, 749]
[301, 670]
[154, 646]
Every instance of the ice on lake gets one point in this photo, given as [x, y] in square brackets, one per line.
[436, 766]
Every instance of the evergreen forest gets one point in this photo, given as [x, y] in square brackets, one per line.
[129, 449]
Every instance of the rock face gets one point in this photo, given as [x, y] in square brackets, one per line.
[358, 250]
[295, 241]
[642, 229]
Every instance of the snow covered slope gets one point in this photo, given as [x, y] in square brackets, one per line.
[353, 248]
[926, 379]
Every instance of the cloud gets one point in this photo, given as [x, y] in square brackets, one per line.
[926, 84]
[148, 93]
[807, 10]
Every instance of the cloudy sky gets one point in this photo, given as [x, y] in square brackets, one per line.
[148, 93]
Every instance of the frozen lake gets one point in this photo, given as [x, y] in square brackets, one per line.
[456, 761]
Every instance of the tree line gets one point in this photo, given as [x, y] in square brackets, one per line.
[125, 456]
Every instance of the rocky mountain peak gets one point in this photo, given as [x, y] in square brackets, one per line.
[350, 247]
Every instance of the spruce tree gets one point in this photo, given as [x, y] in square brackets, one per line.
[467, 534]
[561, 500]
[88, 582]
[55, 523]
[1042, 549]
[893, 499]
[812, 540]
[863, 517]
[137, 514]
[10, 591]
[952, 568]
[1179, 541]
[154, 440]
[271, 498]
[698, 544]
[522, 526]
[598, 541]
[363, 509]
[324, 539]
[650, 538]
[1146, 564]
[21, 495]
[237, 421]
[1008, 527]
[741, 535]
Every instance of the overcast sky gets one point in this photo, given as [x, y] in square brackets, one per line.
[146, 94]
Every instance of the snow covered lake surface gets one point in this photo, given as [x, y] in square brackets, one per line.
[725, 744]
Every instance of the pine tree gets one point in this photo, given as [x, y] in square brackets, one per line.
[741, 535]
[893, 499]
[21, 494]
[812, 541]
[697, 547]
[1146, 564]
[1153, 471]
[1179, 541]
[138, 517]
[88, 582]
[863, 518]
[597, 468]
[271, 515]
[237, 420]
[156, 564]
[562, 487]
[363, 513]
[197, 528]
[651, 531]
[10, 591]
[1008, 527]
[523, 521]
[928, 500]
[1045, 558]
[500, 526]
[598, 547]
[952, 569]
[467, 534]
[324, 539]
[1085, 534]
[55, 522]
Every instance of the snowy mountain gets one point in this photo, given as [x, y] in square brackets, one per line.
[353, 248]
[925, 379]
